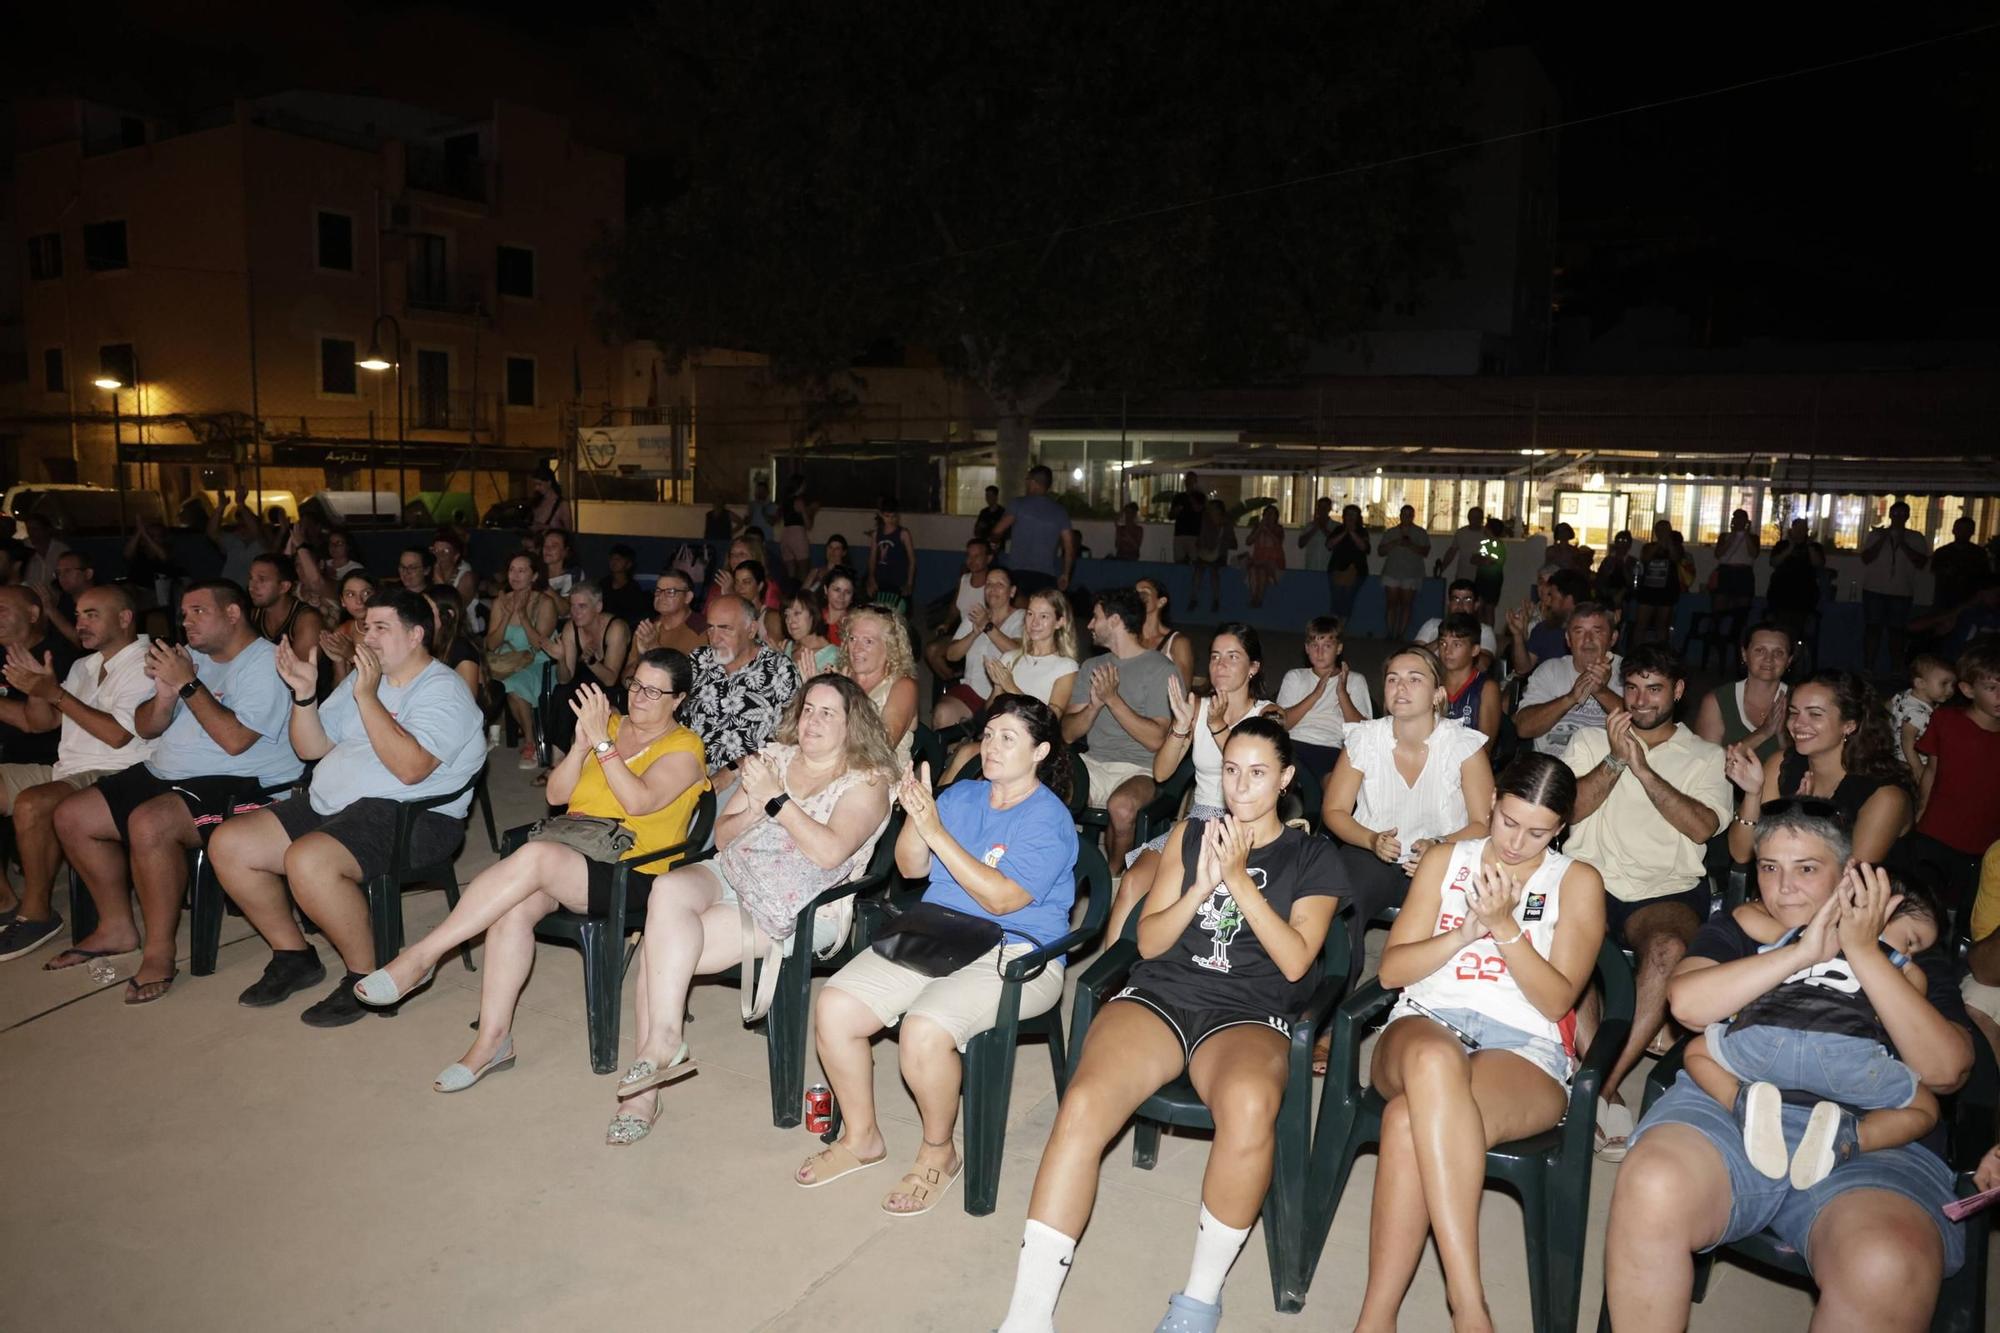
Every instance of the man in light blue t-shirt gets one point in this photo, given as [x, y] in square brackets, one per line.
[401, 728]
[218, 711]
[1041, 550]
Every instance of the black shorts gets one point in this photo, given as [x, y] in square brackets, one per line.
[1617, 912]
[1195, 1026]
[209, 799]
[1666, 596]
[367, 829]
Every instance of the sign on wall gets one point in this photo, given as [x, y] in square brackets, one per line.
[631, 451]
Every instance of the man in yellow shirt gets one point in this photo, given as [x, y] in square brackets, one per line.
[1649, 795]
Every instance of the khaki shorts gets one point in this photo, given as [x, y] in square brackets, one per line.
[1108, 775]
[17, 778]
[964, 1004]
[1984, 998]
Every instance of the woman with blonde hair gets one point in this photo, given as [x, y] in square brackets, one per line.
[875, 654]
[1044, 666]
[804, 816]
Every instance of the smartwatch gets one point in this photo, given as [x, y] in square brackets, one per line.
[775, 804]
[187, 691]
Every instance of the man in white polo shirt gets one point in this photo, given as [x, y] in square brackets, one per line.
[1649, 795]
[93, 707]
[401, 727]
[1576, 692]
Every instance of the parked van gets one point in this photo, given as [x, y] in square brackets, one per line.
[77, 510]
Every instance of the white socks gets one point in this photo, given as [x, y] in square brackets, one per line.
[1215, 1249]
[1045, 1257]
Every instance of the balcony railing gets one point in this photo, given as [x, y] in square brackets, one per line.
[447, 293]
[447, 409]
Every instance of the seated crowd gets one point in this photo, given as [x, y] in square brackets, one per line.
[309, 714]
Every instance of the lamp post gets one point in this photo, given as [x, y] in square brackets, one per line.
[377, 363]
[111, 377]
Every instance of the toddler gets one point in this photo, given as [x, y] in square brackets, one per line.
[1817, 1033]
[1931, 683]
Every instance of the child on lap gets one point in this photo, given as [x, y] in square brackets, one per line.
[1817, 1033]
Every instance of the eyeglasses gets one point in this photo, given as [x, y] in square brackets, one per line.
[670, 592]
[648, 693]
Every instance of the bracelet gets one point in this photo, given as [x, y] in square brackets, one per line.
[1181, 735]
[306, 702]
[1739, 819]
[1517, 937]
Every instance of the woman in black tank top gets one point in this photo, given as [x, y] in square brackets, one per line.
[1837, 748]
[1230, 938]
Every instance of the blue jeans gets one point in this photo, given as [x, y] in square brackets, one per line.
[1857, 1072]
[1757, 1202]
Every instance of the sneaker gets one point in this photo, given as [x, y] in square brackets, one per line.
[1832, 1136]
[21, 936]
[284, 976]
[338, 1009]
[1760, 1110]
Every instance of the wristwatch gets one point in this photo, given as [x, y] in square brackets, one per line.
[775, 804]
[603, 749]
[187, 691]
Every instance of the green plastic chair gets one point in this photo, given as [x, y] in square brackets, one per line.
[1286, 1207]
[1159, 814]
[788, 1025]
[1302, 800]
[206, 901]
[989, 1057]
[1550, 1170]
[1969, 1118]
[602, 938]
[925, 748]
[385, 891]
[1089, 817]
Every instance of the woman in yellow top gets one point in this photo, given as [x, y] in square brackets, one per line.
[646, 771]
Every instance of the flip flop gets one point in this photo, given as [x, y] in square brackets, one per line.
[134, 988]
[1614, 1130]
[78, 957]
[1322, 1053]
[833, 1163]
[927, 1185]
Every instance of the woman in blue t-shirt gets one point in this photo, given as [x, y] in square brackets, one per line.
[1002, 848]
[1224, 968]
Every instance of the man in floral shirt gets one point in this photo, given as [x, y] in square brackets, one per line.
[741, 686]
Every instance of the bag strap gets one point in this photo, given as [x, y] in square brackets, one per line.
[759, 989]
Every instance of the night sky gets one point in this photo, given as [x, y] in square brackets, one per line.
[1837, 206]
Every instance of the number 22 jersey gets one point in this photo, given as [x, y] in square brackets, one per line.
[1477, 976]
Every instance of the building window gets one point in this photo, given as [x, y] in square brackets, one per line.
[336, 367]
[334, 234]
[104, 246]
[514, 271]
[45, 256]
[117, 361]
[53, 378]
[520, 381]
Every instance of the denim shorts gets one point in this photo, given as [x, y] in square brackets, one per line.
[1857, 1072]
[1493, 1035]
[1757, 1202]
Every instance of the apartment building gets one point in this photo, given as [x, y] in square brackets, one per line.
[200, 304]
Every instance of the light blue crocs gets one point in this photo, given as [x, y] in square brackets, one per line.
[1186, 1315]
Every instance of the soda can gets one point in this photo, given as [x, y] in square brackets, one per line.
[819, 1108]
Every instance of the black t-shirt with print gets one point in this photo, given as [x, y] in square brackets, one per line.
[1819, 1000]
[1218, 962]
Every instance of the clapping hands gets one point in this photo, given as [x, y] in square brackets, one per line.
[593, 714]
[1743, 768]
[919, 805]
[301, 675]
[1490, 901]
[36, 679]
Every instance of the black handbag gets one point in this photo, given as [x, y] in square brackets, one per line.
[936, 941]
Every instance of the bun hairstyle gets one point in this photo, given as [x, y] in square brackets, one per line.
[1271, 732]
[1044, 728]
[1540, 780]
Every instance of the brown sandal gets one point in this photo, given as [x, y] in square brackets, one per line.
[841, 1159]
[925, 1184]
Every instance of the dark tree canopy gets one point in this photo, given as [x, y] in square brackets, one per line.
[965, 178]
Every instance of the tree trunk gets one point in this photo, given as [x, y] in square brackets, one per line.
[1011, 434]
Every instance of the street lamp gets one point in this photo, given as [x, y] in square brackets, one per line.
[376, 362]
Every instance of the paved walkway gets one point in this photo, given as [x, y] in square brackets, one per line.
[195, 1165]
